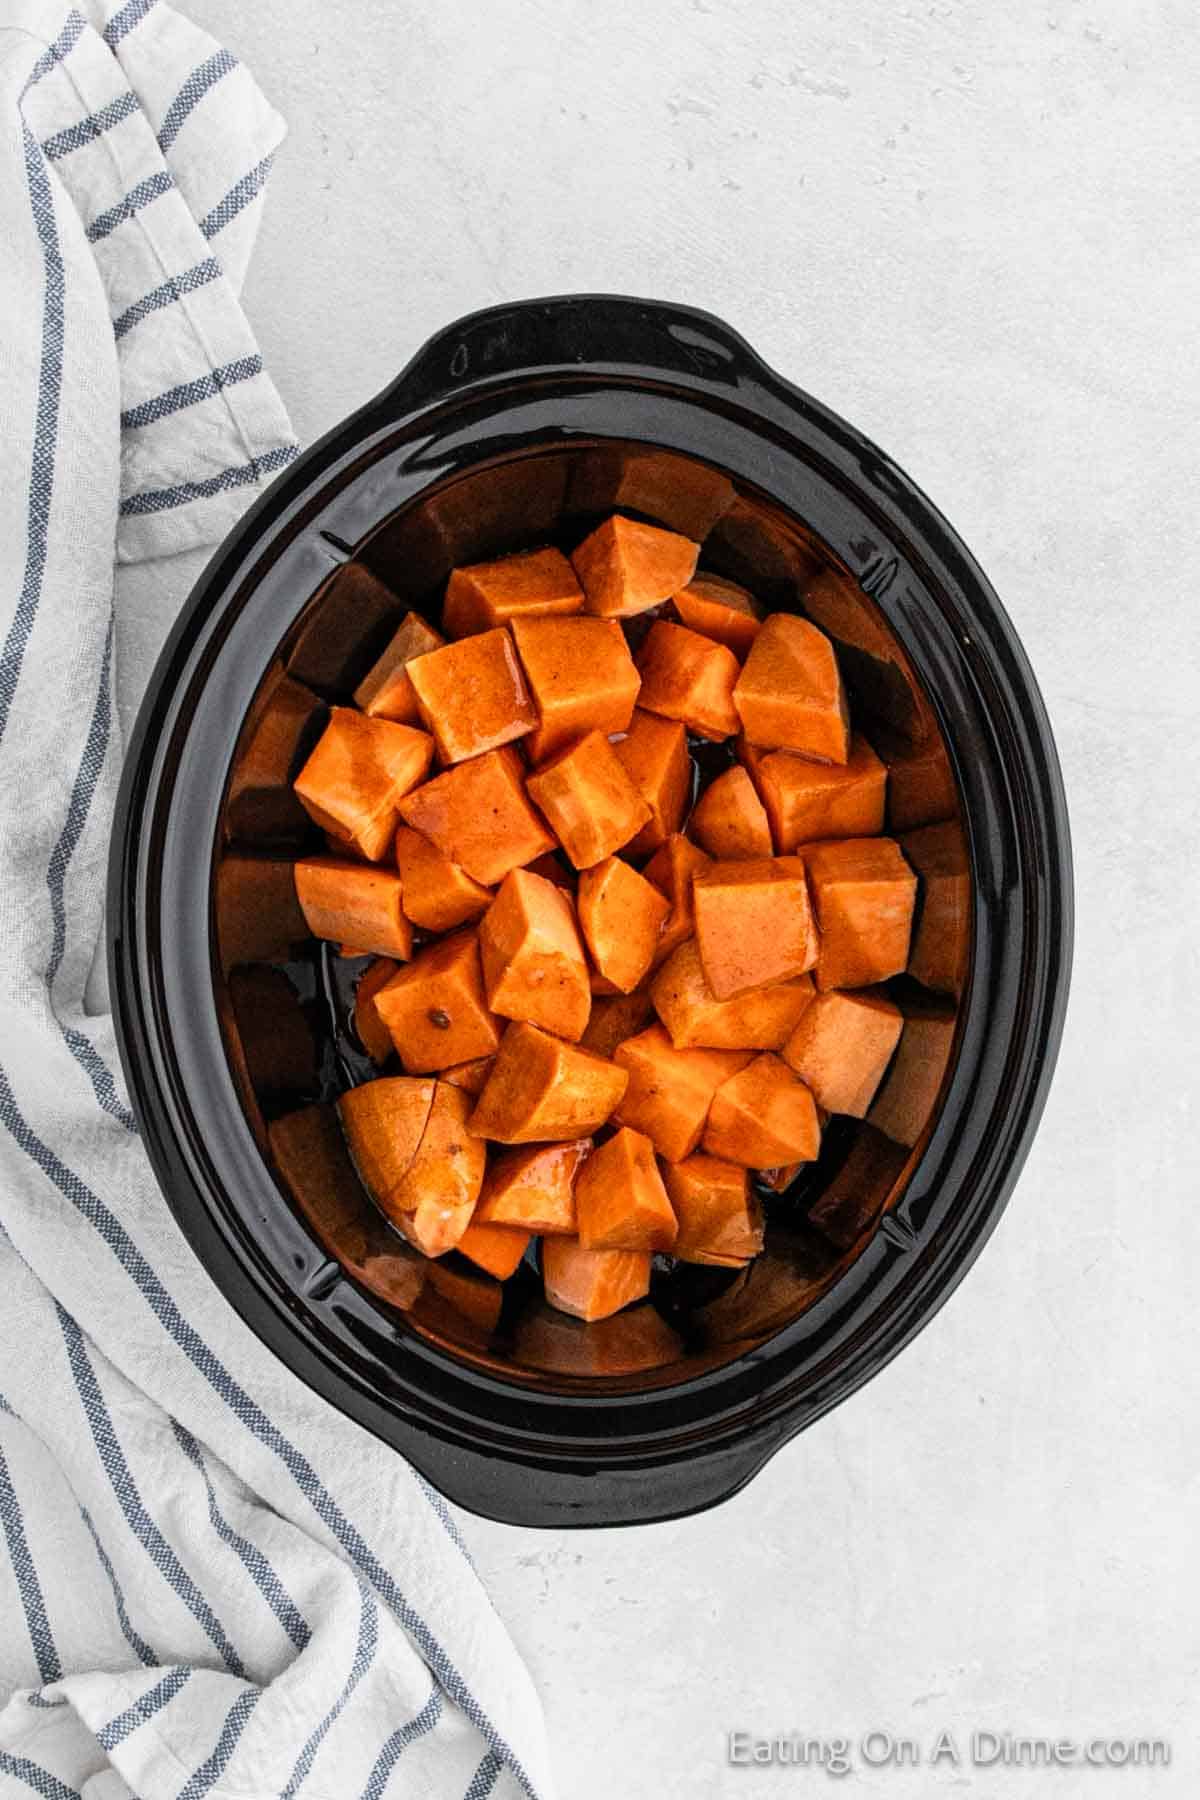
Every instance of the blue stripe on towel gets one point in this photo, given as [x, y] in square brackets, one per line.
[59, 50]
[154, 186]
[251, 1557]
[364, 1656]
[124, 20]
[484, 1778]
[399, 1741]
[28, 1586]
[251, 1415]
[74, 137]
[198, 83]
[133, 1638]
[188, 393]
[149, 1703]
[34, 1776]
[155, 500]
[213, 1767]
[166, 295]
[143, 1527]
[45, 437]
[239, 196]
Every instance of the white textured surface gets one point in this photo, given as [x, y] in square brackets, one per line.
[965, 228]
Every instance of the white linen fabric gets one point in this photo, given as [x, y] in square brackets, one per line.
[211, 1583]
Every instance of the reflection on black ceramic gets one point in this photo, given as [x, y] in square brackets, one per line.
[519, 427]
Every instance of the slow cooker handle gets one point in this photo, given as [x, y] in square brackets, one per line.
[600, 333]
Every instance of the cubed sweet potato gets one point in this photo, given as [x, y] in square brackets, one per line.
[478, 815]
[593, 1284]
[626, 567]
[542, 1090]
[762, 1019]
[615, 1019]
[720, 1219]
[659, 484]
[654, 752]
[620, 1198]
[354, 903]
[860, 1189]
[581, 676]
[841, 1047]
[386, 692]
[472, 695]
[533, 960]
[807, 801]
[908, 1099]
[729, 820]
[790, 696]
[863, 892]
[534, 1188]
[436, 1009]
[721, 610]
[373, 1034]
[671, 869]
[532, 584]
[384, 1121]
[763, 1116]
[357, 775]
[436, 1196]
[496, 1248]
[670, 1091]
[588, 800]
[470, 1076]
[622, 915]
[690, 678]
[438, 894]
[938, 957]
[754, 925]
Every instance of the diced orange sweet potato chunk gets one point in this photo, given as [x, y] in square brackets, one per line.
[542, 1090]
[434, 1202]
[357, 775]
[626, 567]
[593, 1284]
[436, 1009]
[386, 692]
[754, 925]
[655, 756]
[763, 1116]
[689, 678]
[841, 1047]
[790, 696]
[472, 695]
[807, 801]
[384, 1121]
[672, 869]
[533, 962]
[864, 893]
[720, 1220]
[721, 610]
[496, 1248]
[621, 1201]
[670, 1090]
[470, 1076]
[478, 815]
[762, 1019]
[354, 903]
[729, 820]
[588, 799]
[938, 958]
[438, 895]
[529, 585]
[373, 1034]
[535, 1188]
[613, 1020]
[621, 914]
[906, 1102]
[581, 676]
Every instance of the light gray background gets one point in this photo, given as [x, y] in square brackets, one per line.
[970, 229]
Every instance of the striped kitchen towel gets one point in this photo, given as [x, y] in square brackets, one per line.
[210, 1582]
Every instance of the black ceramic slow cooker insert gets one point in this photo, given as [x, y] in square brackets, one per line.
[519, 426]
